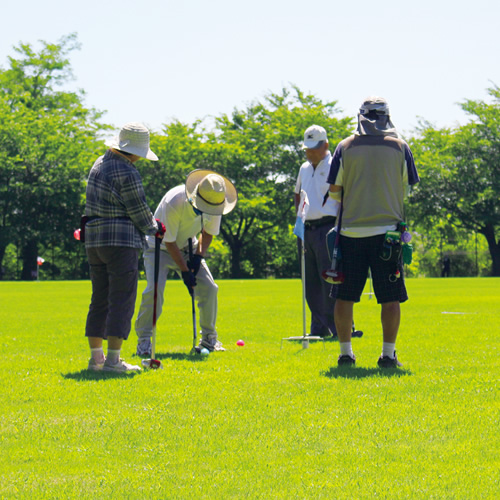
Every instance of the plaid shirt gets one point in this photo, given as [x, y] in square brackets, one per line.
[115, 194]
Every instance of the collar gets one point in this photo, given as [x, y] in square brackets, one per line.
[324, 162]
[118, 156]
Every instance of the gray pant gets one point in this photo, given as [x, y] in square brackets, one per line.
[205, 293]
[113, 272]
[317, 289]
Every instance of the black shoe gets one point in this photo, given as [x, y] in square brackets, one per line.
[387, 362]
[346, 360]
[357, 333]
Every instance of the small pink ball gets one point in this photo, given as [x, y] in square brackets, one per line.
[240, 343]
[76, 234]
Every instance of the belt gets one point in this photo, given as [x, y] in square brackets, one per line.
[313, 224]
[90, 218]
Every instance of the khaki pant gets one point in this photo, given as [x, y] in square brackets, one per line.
[205, 293]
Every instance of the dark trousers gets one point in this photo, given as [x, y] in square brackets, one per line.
[113, 272]
[317, 289]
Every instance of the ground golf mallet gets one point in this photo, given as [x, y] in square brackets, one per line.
[154, 363]
[193, 309]
[333, 275]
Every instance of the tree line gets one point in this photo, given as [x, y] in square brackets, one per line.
[49, 140]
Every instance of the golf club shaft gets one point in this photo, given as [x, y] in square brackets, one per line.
[193, 309]
[156, 273]
[303, 276]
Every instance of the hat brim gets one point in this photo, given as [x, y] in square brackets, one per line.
[313, 144]
[192, 182]
[143, 153]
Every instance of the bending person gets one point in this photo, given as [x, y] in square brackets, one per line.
[187, 210]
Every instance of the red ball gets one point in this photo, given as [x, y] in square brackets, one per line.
[240, 343]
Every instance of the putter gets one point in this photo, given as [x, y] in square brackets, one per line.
[154, 363]
[193, 309]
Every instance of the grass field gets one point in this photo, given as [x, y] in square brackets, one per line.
[256, 421]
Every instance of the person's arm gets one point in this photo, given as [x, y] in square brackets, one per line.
[203, 243]
[410, 174]
[335, 177]
[176, 254]
[136, 206]
[296, 200]
[298, 188]
[335, 192]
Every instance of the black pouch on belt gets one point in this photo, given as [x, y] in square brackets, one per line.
[83, 222]
[390, 251]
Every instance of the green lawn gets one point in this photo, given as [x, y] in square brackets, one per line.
[256, 421]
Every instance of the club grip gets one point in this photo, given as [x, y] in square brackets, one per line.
[190, 242]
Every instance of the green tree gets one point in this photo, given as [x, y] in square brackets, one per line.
[48, 140]
[460, 171]
[259, 149]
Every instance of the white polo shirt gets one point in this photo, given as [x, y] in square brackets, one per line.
[314, 182]
[181, 223]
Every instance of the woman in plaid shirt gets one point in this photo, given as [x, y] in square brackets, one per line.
[118, 221]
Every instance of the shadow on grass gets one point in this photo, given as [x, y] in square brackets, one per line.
[357, 372]
[179, 356]
[87, 375]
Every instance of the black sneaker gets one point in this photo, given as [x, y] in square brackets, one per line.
[387, 362]
[357, 333]
[346, 360]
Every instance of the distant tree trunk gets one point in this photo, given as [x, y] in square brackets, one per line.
[236, 260]
[494, 247]
[2, 254]
[29, 256]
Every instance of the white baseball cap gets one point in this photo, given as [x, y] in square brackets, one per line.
[314, 136]
[133, 139]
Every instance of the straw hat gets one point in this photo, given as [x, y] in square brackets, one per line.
[133, 139]
[211, 193]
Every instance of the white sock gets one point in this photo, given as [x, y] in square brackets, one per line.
[388, 350]
[346, 348]
[97, 354]
[113, 356]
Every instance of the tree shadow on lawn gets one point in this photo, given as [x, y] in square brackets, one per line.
[358, 372]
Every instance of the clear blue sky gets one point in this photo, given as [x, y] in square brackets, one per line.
[155, 60]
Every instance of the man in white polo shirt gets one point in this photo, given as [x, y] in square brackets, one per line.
[186, 211]
[320, 218]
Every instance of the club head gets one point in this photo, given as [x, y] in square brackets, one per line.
[333, 276]
[153, 364]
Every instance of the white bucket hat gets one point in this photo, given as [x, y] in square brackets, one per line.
[211, 193]
[314, 136]
[133, 139]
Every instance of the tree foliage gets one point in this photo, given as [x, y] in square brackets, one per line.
[460, 174]
[48, 139]
[259, 149]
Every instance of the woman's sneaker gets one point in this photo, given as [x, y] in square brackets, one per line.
[94, 366]
[120, 366]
